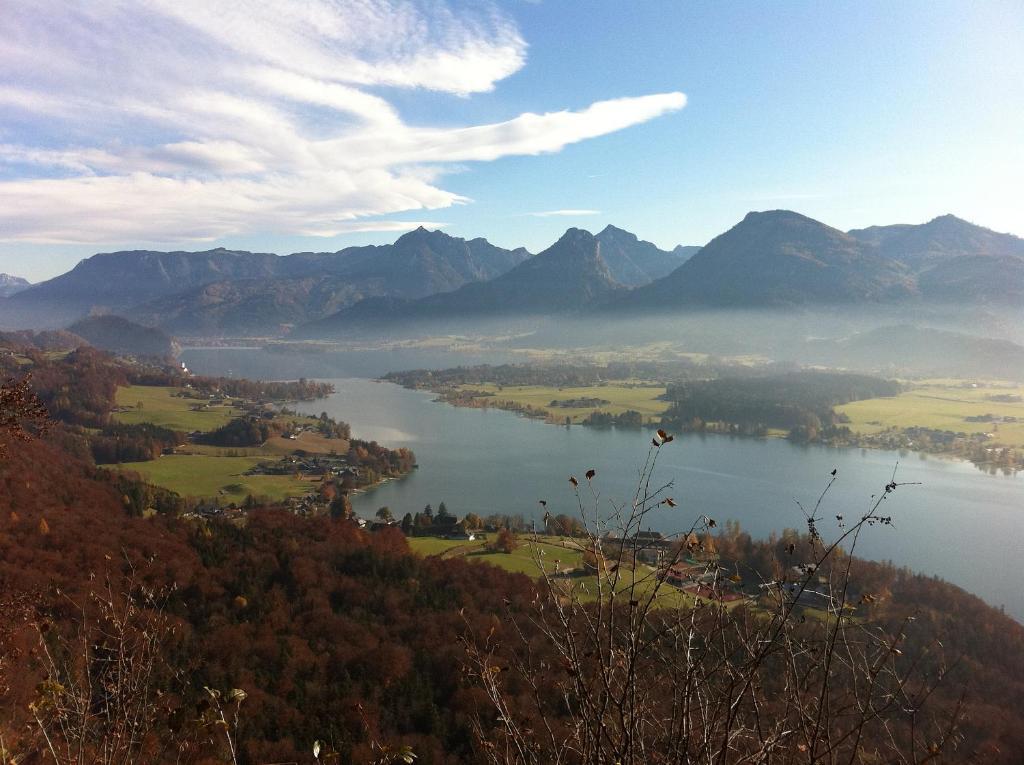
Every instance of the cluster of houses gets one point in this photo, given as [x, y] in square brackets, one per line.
[692, 564]
[330, 465]
[308, 504]
[655, 549]
[213, 510]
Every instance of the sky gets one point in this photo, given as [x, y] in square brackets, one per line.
[297, 125]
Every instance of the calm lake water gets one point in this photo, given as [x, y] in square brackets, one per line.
[960, 523]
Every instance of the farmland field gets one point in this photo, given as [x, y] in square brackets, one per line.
[206, 476]
[944, 405]
[639, 396]
[160, 406]
[523, 560]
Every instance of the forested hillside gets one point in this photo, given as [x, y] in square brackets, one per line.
[345, 637]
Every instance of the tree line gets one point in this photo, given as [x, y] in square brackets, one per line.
[800, 403]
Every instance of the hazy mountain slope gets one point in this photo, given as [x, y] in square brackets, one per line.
[778, 258]
[251, 292]
[634, 262]
[118, 335]
[975, 279]
[423, 262]
[941, 239]
[249, 307]
[10, 285]
[569, 275]
[420, 263]
[920, 351]
[773, 259]
[116, 281]
[44, 340]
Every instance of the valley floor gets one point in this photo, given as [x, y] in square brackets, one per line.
[942, 404]
[205, 471]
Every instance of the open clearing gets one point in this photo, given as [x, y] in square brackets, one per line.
[205, 476]
[162, 406]
[944, 405]
[623, 395]
[202, 470]
[275, 446]
[524, 560]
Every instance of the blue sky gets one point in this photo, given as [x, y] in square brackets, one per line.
[302, 134]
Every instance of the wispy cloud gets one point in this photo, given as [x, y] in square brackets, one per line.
[166, 120]
[563, 213]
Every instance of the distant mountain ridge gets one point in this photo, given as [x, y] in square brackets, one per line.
[568, 276]
[778, 258]
[113, 282]
[248, 292]
[313, 285]
[938, 240]
[9, 285]
[775, 258]
[634, 262]
[921, 350]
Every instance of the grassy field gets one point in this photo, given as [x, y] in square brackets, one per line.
[943, 405]
[642, 397]
[160, 406]
[520, 560]
[275, 447]
[524, 560]
[201, 470]
[206, 476]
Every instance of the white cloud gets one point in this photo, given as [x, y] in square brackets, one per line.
[563, 213]
[185, 119]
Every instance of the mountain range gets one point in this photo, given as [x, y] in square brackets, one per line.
[634, 262]
[769, 259]
[234, 291]
[570, 275]
[780, 258]
[777, 258]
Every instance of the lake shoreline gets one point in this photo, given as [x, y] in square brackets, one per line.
[858, 441]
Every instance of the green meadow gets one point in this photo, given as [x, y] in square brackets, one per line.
[201, 470]
[623, 395]
[943, 405]
[161, 406]
[224, 477]
[530, 557]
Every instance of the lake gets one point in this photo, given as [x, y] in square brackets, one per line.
[960, 524]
